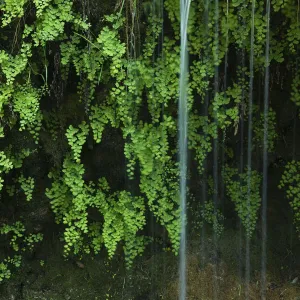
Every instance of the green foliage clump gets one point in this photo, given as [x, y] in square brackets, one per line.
[244, 191]
[295, 94]
[147, 153]
[223, 113]
[76, 139]
[26, 103]
[123, 214]
[290, 180]
[205, 213]
[5, 163]
[140, 98]
[258, 129]
[17, 158]
[5, 166]
[159, 175]
[32, 239]
[16, 230]
[12, 9]
[201, 133]
[19, 242]
[10, 189]
[99, 118]
[51, 20]
[213, 216]
[27, 185]
[7, 264]
[161, 189]
[124, 217]
[52, 123]
[12, 66]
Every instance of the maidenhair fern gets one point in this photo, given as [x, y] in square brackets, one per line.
[290, 180]
[20, 242]
[140, 99]
[244, 191]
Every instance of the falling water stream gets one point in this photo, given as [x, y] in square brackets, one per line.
[158, 12]
[183, 126]
[216, 149]
[265, 159]
[222, 188]
[249, 150]
[203, 235]
[241, 167]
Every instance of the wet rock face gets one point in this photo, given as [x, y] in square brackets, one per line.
[105, 159]
[40, 213]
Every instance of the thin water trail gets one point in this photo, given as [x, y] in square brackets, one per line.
[183, 127]
[152, 269]
[161, 51]
[204, 186]
[241, 168]
[249, 150]
[296, 114]
[222, 186]
[203, 237]
[154, 13]
[215, 200]
[296, 110]
[265, 159]
[226, 43]
[291, 223]
[216, 151]
[129, 184]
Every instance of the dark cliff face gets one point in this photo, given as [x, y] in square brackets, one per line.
[106, 159]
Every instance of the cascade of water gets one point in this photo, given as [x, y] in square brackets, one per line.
[265, 158]
[249, 150]
[183, 126]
